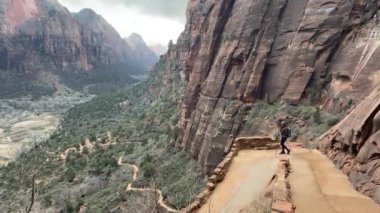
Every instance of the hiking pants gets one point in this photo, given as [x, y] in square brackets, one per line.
[283, 146]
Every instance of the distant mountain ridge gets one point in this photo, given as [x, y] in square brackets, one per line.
[138, 45]
[42, 35]
[159, 49]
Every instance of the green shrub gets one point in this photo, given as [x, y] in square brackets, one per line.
[317, 116]
[331, 121]
[92, 137]
[47, 201]
[129, 149]
[149, 170]
[147, 121]
[69, 207]
[69, 175]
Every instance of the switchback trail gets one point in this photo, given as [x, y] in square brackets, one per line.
[130, 188]
[110, 142]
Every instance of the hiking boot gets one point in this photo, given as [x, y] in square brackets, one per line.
[288, 152]
[281, 153]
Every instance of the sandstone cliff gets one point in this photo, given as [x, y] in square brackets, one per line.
[42, 35]
[233, 53]
[354, 145]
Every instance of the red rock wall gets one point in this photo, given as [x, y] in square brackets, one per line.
[354, 146]
[234, 52]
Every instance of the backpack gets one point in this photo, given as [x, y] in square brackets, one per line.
[289, 133]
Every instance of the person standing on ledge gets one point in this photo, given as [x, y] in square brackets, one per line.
[284, 135]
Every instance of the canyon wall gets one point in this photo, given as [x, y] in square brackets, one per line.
[234, 52]
[40, 35]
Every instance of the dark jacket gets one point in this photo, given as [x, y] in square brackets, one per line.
[285, 132]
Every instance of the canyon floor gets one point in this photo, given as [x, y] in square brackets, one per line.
[316, 185]
[24, 121]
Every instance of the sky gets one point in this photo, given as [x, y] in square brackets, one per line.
[157, 21]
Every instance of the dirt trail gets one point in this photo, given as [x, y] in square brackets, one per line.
[249, 174]
[318, 187]
[90, 146]
[160, 200]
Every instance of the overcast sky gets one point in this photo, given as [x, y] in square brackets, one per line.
[157, 21]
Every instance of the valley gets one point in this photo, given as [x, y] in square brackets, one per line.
[94, 122]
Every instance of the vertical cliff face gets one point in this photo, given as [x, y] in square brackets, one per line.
[235, 52]
[41, 28]
[102, 42]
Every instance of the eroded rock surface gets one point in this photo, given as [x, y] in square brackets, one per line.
[233, 53]
[354, 145]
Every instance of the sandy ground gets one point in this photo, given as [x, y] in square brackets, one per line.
[249, 174]
[24, 122]
[15, 135]
[318, 186]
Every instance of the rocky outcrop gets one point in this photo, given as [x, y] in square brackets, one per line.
[42, 35]
[235, 52]
[281, 198]
[101, 41]
[141, 50]
[354, 145]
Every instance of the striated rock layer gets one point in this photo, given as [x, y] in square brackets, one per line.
[354, 145]
[234, 52]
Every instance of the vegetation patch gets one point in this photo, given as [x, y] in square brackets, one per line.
[140, 125]
[13, 85]
[305, 120]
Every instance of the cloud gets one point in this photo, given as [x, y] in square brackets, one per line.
[167, 8]
[158, 21]
[173, 9]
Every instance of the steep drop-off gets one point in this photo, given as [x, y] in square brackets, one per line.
[233, 53]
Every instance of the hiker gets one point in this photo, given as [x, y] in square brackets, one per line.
[284, 135]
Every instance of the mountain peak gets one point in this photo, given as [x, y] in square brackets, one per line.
[87, 11]
[137, 43]
[135, 40]
[87, 15]
[135, 36]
